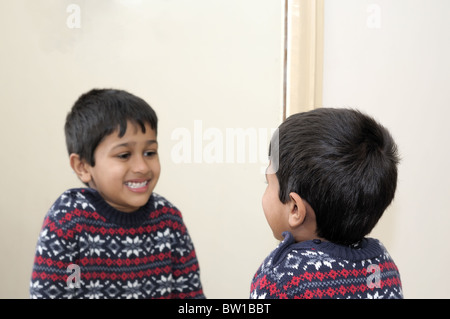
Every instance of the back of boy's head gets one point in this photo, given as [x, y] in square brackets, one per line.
[344, 164]
[98, 113]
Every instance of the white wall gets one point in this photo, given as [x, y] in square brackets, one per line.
[216, 62]
[391, 59]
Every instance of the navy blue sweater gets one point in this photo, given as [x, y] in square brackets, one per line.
[317, 269]
[88, 249]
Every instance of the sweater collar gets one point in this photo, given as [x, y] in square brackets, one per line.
[366, 249]
[116, 216]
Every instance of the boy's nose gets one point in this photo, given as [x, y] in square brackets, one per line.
[140, 165]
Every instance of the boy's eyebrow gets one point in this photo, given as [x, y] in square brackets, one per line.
[126, 144]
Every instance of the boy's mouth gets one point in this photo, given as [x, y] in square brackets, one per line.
[137, 186]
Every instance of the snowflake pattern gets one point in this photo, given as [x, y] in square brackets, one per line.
[132, 246]
[164, 240]
[318, 259]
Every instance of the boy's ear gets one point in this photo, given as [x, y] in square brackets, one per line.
[80, 167]
[297, 211]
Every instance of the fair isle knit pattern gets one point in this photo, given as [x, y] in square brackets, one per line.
[323, 270]
[144, 254]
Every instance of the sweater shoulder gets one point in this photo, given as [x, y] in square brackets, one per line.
[160, 201]
[71, 205]
[367, 249]
[72, 199]
[162, 204]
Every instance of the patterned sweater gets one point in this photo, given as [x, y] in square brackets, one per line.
[316, 269]
[87, 249]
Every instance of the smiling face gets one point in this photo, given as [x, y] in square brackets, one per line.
[126, 168]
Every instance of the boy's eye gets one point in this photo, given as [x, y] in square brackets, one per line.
[123, 155]
[150, 153]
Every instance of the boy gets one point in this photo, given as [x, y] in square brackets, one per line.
[334, 175]
[116, 238]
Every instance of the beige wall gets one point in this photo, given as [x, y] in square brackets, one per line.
[215, 63]
[391, 59]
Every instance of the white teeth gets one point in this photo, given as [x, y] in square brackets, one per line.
[136, 185]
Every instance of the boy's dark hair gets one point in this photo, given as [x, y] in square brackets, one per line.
[99, 113]
[344, 164]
